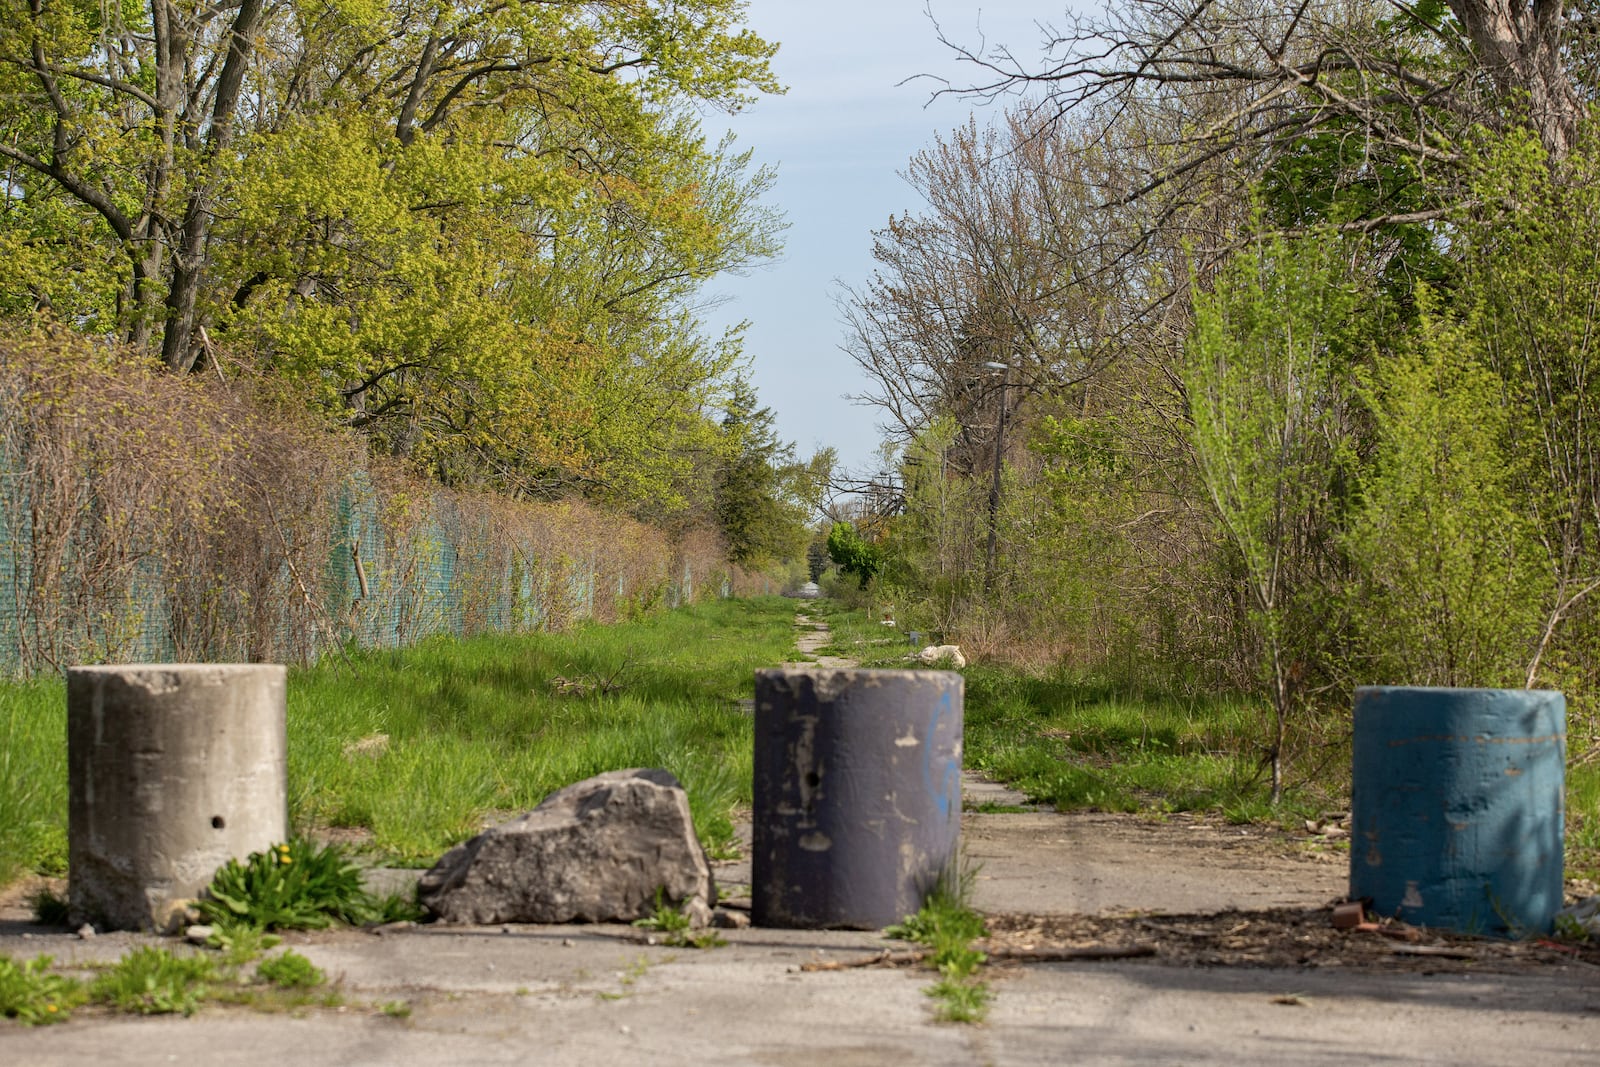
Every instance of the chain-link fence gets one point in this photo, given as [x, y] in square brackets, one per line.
[148, 519]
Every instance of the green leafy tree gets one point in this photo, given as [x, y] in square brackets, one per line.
[1531, 297]
[1449, 569]
[764, 496]
[853, 554]
[937, 544]
[473, 233]
[1270, 421]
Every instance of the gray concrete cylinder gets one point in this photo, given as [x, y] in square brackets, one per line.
[857, 794]
[172, 769]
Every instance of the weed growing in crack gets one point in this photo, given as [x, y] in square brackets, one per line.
[33, 996]
[296, 885]
[947, 925]
[241, 943]
[152, 981]
[959, 1000]
[290, 970]
[669, 920]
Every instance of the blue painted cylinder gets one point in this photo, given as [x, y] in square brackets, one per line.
[1457, 802]
[857, 794]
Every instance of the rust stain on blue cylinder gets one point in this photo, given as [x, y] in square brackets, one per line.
[857, 794]
[1457, 806]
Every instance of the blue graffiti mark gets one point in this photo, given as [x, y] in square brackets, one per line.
[947, 794]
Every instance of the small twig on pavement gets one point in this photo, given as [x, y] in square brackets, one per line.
[888, 958]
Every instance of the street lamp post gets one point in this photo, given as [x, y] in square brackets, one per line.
[994, 486]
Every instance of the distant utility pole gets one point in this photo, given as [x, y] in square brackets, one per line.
[994, 487]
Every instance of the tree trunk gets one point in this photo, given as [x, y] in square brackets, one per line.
[1520, 44]
[189, 258]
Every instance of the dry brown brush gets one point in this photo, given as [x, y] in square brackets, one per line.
[150, 517]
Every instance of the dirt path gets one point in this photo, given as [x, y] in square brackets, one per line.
[812, 635]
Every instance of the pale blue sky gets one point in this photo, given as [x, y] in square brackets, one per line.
[838, 141]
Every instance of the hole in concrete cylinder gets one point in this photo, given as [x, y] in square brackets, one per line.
[217, 822]
[813, 779]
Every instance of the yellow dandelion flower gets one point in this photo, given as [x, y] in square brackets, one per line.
[287, 859]
[49, 1007]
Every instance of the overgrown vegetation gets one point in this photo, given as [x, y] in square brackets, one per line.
[1076, 740]
[148, 517]
[947, 925]
[156, 981]
[492, 267]
[33, 778]
[673, 925]
[1287, 362]
[1064, 740]
[33, 995]
[153, 981]
[424, 746]
[411, 751]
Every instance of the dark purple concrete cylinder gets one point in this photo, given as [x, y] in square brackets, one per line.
[857, 794]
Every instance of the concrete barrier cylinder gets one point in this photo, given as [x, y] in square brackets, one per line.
[857, 794]
[1457, 806]
[172, 770]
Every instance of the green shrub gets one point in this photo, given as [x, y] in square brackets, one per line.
[32, 995]
[296, 885]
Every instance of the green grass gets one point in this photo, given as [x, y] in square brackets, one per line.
[153, 981]
[474, 731]
[33, 778]
[856, 634]
[481, 728]
[1073, 744]
[289, 970]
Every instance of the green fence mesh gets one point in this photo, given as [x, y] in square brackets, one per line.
[385, 576]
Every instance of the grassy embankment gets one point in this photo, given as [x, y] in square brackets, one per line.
[413, 750]
[1072, 742]
[416, 749]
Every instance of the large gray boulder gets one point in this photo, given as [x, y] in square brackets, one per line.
[596, 851]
